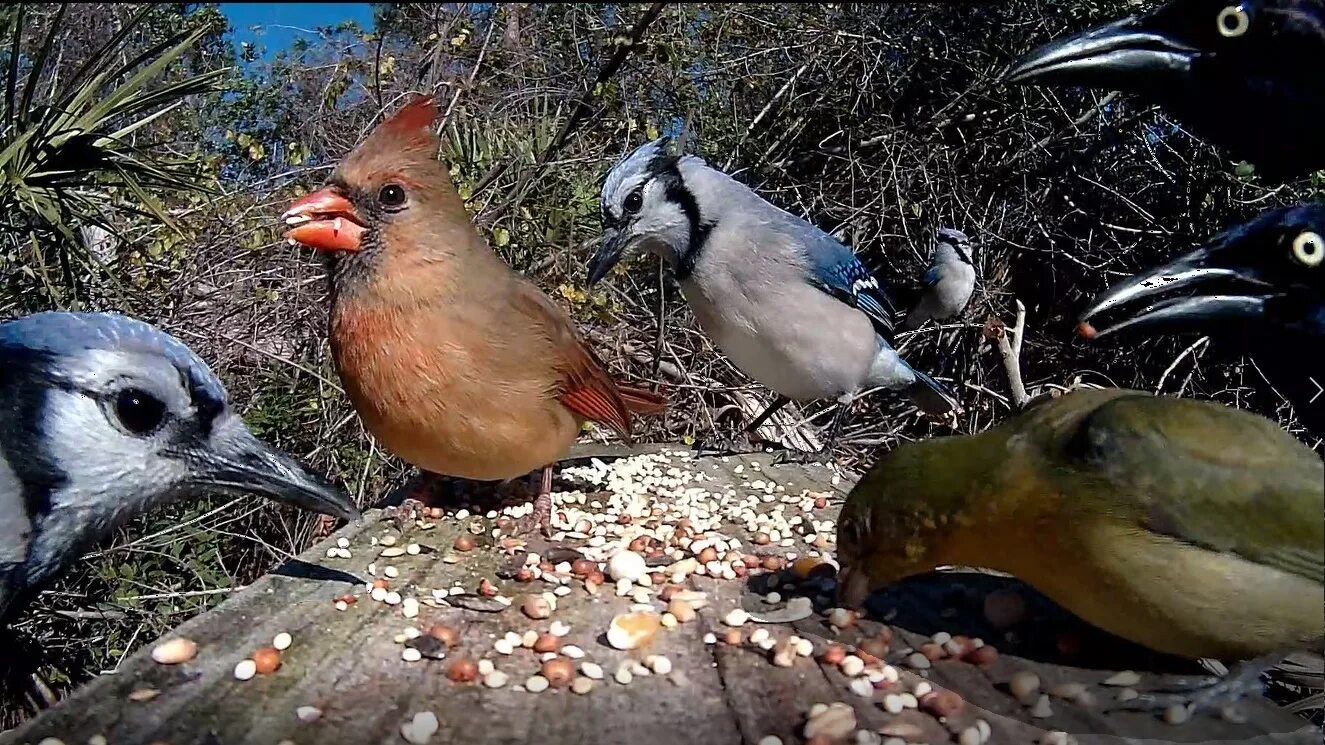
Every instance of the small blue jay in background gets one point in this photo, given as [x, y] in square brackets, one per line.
[790, 305]
[102, 418]
[947, 286]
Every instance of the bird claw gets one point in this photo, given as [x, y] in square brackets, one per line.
[1201, 695]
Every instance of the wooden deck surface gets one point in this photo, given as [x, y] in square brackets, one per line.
[348, 664]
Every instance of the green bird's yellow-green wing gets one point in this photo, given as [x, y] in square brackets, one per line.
[1206, 474]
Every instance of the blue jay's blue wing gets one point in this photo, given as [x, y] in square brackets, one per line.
[931, 277]
[837, 271]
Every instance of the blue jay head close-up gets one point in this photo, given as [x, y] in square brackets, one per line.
[959, 242]
[645, 206]
[1267, 272]
[105, 417]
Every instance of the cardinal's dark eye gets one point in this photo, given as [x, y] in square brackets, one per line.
[633, 202]
[139, 411]
[391, 195]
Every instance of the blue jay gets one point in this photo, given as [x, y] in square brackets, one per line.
[789, 304]
[1259, 286]
[103, 417]
[1244, 74]
[948, 284]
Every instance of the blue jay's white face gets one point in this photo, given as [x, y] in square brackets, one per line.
[645, 206]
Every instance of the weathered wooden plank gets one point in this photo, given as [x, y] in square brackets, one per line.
[348, 663]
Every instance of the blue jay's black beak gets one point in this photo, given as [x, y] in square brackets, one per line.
[233, 461]
[1219, 293]
[609, 253]
[1121, 55]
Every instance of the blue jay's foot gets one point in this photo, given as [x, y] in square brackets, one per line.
[725, 444]
[1186, 698]
[541, 518]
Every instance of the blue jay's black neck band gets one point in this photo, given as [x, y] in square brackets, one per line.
[664, 169]
[21, 432]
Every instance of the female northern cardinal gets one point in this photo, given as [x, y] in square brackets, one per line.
[454, 362]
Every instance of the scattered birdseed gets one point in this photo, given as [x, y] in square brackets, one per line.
[496, 679]
[410, 654]
[420, 729]
[658, 664]
[631, 630]
[623, 675]
[804, 647]
[175, 651]
[736, 617]
[710, 638]
[413, 549]
[1067, 690]
[758, 636]
[378, 594]
[245, 669]
[282, 641]
[1041, 709]
[892, 703]
[391, 572]
[582, 686]
[559, 629]
[391, 553]
[770, 740]
[536, 684]
[1056, 737]
[862, 687]
[852, 666]
[1023, 685]
[969, 736]
[409, 608]
[1127, 694]
[573, 652]
[1233, 714]
[342, 605]
[1123, 679]
[392, 598]
[591, 670]
[485, 667]
[918, 661]
[835, 722]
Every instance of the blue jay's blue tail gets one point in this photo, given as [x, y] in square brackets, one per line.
[931, 396]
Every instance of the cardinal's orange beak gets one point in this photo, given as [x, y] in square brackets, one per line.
[324, 220]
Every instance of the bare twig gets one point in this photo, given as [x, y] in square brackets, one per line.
[1010, 351]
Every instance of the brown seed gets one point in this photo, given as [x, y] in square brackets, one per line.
[436, 513]
[267, 660]
[739, 570]
[463, 670]
[524, 574]
[559, 671]
[380, 584]
[941, 703]
[833, 655]
[596, 577]
[486, 588]
[708, 554]
[444, 634]
[762, 539]
[547, 643]
[666, 593]
[546, 567]
[874, 647]
[732, 638]
[932, 651]
[982, 655]
[773, 563]
[536, 607]
[582, 567]
[347, 599]
[959, 646]
[657, 578]
[623, 519]
[464, 543]
[683, 611]
[751, 561]
[820, 503]
[639, 545]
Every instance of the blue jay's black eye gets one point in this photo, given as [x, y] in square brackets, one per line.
[634, 201]
[391, 195]
[139, 411]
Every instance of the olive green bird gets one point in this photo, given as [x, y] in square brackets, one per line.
[1189, 527]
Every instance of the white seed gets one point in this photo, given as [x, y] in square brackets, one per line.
[572, 651]
[391, 553]
[1056, 737]
[175, 651]
[969, 736]
[772, 598]
[985, 730]
[918, 661]
[392, 598]
[245, 669]
[410, 608]
[770, 740]
[410, 654]
[342, 605]
[389, 540]
[496, 679]
[93, 740]
[626, 565]
[736, 617]
[865, 737]
[1041, 709]
[559, 629]
[561, 591]
[1233, 714]
[1023, 685]
[591, 670]
[713, 639]
[892, 703]
[909, 701]
[668, 621]
[378, 594]
[640, 596]
[391, 572]
[503, 646]
[1123, 679]
[758, 636]
[659, 664]
[851, 666]
[941, 638]
[282, 641]
[581, 686]
[420, 729]
[529, 639]
[485, 667]
[1127, 694]
[1067, 690]
[413, 549]
[536, 684]
[308, 713]
[862, 687]
[343, 542]
[623, 675]
[1177, 714]
[804, 647]
[836, 722]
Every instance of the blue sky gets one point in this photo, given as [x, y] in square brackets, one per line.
[281, 23]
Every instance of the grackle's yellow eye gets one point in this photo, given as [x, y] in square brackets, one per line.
[1309, 248]
[1233, 21]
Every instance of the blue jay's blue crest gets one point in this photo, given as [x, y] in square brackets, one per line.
[63, 334]
[643, 159]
